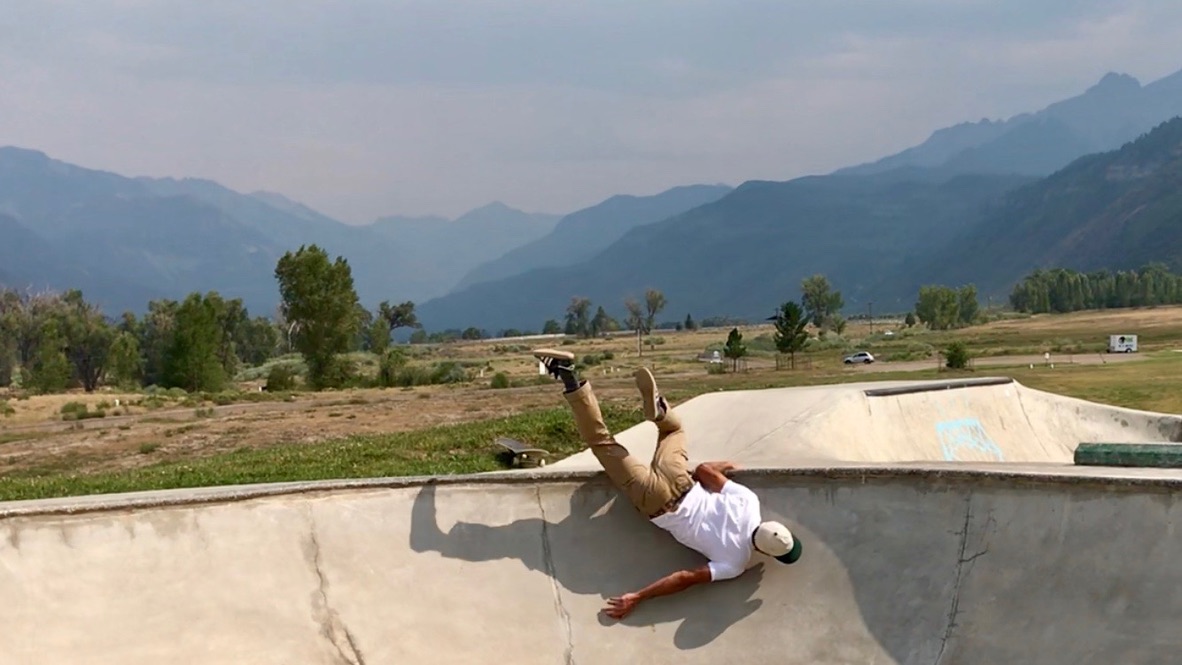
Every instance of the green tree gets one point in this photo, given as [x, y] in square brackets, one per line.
[791, 334]
[398, 316]
[391, 365]
[654, 302]
[27, 317]
[578, 317]
[88, 339]
[819, 300]
[636, 321]
[319, 302]
[193, 359]
[363, 338]
[155, 337]
[257, 340]
[378, 335]
[602, 323]
[551, 327]
[938, 307]
[49, 369]
[689, 323]
[10, 305]
[968, 307]
[124, 364]
[835, 323]
[1062, 290]
[735, 348]
[909, 321]
[957, 355]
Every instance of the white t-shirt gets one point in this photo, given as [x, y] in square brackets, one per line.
[717, 524]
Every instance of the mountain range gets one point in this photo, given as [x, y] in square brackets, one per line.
[126, 241]
[1115, 110]
[877, 230]
[1085, 182]
[583, 234]
[1116, 210]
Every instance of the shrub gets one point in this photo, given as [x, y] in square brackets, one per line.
[224, 398]
[79, 411]
[449, 372]
[957, 355]
[280, 378]
[913, 351]
[390, 366]
[500, 380]
[764, 343]
[6, 409]
[341, 372]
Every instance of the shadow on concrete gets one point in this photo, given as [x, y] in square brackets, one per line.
[602, 547]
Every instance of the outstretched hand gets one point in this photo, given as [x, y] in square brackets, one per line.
[621, 606]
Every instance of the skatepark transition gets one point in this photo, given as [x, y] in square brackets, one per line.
[942, 523]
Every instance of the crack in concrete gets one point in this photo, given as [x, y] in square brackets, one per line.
[332, 627]
[564, 615]
[960, 575]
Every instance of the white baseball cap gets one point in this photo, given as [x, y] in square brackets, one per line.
[775, 540]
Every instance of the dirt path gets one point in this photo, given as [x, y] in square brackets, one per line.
[1005, 361]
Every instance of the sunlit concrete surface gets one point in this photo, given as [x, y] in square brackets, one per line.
[983, 420]
[910, 556]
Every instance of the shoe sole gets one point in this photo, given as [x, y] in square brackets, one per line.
[648, 392]
[542, 354]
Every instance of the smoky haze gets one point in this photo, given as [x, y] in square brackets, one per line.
[420, 107]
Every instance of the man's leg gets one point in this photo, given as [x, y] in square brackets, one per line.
[670, 460]
[632, 476]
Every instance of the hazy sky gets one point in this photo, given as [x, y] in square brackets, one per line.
[363, 109]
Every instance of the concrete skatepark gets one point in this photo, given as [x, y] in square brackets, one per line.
[942, 523]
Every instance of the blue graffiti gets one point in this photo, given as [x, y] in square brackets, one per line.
[966, 433]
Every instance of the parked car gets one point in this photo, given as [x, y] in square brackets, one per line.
[860, 357]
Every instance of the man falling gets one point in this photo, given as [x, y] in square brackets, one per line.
[703, 510]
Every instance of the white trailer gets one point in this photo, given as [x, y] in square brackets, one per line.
[1122, 343]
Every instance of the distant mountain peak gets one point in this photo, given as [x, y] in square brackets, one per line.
[1114, 83]
[495, 206]
[16, 151]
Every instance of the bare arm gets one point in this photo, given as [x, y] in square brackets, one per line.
[620, 607]
[713, 475]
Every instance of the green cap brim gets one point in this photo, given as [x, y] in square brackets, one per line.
[792, 554]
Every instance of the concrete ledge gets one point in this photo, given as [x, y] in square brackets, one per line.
[1155, 455]
[1030, 475]
[937, 385]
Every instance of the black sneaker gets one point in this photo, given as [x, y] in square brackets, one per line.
[559, 364]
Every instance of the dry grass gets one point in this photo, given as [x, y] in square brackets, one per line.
[1152, 385]
[186, 428]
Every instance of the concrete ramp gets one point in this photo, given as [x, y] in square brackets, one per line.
[899, 566]
[942, 523]
[976, 420]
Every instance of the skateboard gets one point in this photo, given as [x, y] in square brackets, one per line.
[523, 454]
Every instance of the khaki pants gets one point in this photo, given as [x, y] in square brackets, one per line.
[648, 486]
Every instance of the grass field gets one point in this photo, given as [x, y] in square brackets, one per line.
[170, 439]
